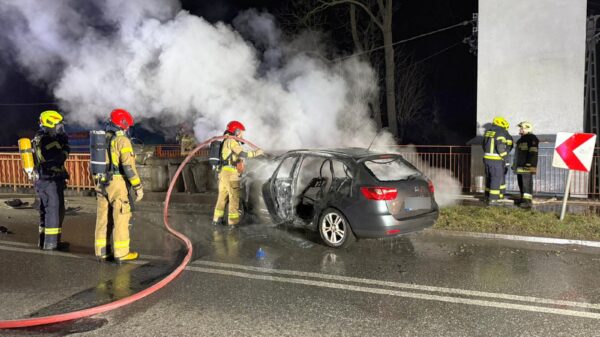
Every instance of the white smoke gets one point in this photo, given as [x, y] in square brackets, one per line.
[447, 188]
[158, 61]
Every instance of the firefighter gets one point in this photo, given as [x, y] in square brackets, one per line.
[496, 140]
[113, 196]
[51, 149]
[525, 164]
[232, 155]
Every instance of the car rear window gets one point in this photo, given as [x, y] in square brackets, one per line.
[390, 169]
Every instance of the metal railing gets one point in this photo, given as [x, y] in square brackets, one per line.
[437, 162]
[13, 175]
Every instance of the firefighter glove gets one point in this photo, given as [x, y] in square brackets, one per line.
[139, 192]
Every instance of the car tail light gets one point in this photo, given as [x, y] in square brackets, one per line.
[431, 188]
[379, 193]
[392, 231]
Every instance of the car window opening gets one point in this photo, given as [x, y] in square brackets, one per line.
[391, 170]
[318, 179]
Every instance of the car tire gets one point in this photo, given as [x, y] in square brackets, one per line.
[334, 229]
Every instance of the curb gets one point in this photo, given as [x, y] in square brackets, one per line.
[536, 239]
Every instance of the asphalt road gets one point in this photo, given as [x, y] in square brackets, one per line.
[262, 280]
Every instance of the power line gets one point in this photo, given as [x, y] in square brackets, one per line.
[463, 23]
[432, 55]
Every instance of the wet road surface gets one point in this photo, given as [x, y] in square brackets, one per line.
[419, 285]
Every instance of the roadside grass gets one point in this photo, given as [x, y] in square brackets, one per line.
[516, 221]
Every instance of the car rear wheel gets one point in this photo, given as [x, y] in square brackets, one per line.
[334, 229]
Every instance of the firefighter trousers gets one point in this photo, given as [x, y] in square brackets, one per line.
[494, 178]
[525, 181]
[229, 190]
[52, 211]
[112, 219]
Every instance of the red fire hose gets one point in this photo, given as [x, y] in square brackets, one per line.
[28, 322]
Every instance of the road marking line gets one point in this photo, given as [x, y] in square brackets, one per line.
[15, 243]
[404, 285]
[36, 250]
[398, 293]
[39, 251]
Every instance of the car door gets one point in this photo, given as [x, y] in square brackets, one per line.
[278, 191]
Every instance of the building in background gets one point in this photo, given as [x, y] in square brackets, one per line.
[531, 66]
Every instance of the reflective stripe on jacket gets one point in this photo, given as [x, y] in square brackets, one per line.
[122, 158]
[497, 143]
[526, 154]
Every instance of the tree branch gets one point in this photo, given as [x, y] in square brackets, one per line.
[326, 4]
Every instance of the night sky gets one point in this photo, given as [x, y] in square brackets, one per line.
[451, 76]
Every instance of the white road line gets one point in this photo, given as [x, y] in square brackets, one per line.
[420, 296]
[456, 291]
[39, 251]
[15, 243]
[35, 250]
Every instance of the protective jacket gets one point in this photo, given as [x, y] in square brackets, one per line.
[122, 157]
[497, 143]
[526, 154]
[233, 153]
[51, 152]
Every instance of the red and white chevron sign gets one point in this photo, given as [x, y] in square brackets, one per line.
[574, 151]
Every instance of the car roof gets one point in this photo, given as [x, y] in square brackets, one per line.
[355, 153]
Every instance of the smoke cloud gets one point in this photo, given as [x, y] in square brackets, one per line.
[158, 61]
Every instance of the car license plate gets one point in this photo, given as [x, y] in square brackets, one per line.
[414, 203]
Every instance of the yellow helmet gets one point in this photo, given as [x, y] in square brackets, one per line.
[526, 126]
[50, 118]
[501, 122]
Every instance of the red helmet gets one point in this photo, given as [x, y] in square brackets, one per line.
[121, 118]
[233, 126]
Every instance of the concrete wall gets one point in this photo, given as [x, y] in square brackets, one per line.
[531, 63]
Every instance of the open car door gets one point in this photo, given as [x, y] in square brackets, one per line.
[278, 191]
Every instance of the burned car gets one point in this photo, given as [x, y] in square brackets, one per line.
[343, 194]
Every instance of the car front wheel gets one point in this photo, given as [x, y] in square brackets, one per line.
[334, 229]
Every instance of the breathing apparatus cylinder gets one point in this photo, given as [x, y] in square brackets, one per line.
[98, 151]
[26, 156]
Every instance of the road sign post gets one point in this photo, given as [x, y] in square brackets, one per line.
[566, 195]
[574, 152]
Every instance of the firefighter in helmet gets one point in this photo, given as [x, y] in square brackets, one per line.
[232, 154]
[497, 143]
[113, 195]
[525, 164]
[51, 149]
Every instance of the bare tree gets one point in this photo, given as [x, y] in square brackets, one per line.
[380, 13]
[411, 93]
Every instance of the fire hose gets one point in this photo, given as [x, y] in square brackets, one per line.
[29, 322]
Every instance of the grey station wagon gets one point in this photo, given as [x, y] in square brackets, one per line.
[344, 194]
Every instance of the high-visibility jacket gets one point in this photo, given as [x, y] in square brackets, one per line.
[526, 154]
[232, 153]
[122, 157]
[51, 152]
[497, 143]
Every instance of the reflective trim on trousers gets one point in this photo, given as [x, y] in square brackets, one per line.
[122, 244]
[52, 231]
[527, 196]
